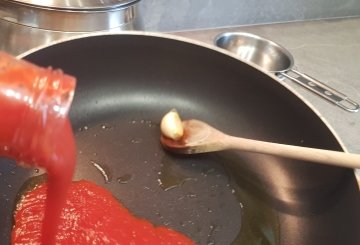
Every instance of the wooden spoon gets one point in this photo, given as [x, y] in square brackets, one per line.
[200, 137]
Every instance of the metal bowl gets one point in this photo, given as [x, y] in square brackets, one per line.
[274, 58]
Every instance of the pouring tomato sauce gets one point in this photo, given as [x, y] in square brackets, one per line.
[35, 130]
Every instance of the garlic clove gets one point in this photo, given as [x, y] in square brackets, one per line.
[171, 125]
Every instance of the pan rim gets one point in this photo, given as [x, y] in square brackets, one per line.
[200, 44]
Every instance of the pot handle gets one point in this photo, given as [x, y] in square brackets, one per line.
[323, 90]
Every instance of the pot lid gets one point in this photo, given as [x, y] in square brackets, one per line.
[79, 5]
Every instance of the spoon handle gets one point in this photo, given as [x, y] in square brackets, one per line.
[329, 157]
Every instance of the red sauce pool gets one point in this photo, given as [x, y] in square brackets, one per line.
[35, 129]
[91, 215]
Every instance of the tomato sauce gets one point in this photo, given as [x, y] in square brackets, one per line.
[35, 130]
[91, 215]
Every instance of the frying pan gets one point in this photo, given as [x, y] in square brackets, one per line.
[275, 58]
[127, 82]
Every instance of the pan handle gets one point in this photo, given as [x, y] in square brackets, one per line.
[323, 90]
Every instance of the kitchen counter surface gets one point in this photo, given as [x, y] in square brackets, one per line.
[328, 50]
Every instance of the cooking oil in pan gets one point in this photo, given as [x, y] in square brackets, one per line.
[124, 179]
[168, 177]
[192, 194]
[259, 223]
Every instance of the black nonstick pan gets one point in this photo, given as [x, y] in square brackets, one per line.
[127, 82]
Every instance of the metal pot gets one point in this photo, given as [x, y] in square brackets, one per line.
[26, 24]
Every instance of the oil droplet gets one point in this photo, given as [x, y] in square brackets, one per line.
[133, 122]
[190, 222]
[180, 198]
[106, 127]
[124, 179]
[158, 214]
[6, 148]
[80, 152]
[104, 170]
[83, 128]
[136, 141]
[142, 121]
[36, 170]
[12, 172]
[211, 234]
[204, 175]
[10, 186]
[191, 195]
